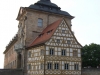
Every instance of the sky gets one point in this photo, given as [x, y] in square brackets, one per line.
[86, 24]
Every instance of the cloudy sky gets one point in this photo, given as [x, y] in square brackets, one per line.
[86, 24]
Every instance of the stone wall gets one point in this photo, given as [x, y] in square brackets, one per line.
[91, 71]
[11, 72]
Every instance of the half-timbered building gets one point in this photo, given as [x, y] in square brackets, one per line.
[45, 43]
[55, 51]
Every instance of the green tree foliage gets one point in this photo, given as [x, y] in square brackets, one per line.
[91, 55]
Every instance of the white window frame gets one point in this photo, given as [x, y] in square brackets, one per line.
[51, 52]
[63, 52]
[40, 22]
[76, 66]
[49, 66]
[58, 40]
[56, 66]
[66, 66]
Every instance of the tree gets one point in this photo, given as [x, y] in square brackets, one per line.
[91, 55]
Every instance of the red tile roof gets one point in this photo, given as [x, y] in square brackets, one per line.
[46, 33]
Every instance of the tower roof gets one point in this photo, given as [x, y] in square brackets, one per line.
[48, 6]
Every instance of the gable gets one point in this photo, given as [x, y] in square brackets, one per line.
[65, 35]
[46, 33]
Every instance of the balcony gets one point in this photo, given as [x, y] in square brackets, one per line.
[18, 47]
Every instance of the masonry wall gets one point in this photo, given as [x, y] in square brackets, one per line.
[11, 72]
[32, 30]
[10, 59]
[91, 71]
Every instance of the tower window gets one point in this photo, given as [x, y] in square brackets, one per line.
[63, 52]
[40, 22]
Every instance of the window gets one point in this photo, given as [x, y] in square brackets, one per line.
[63, 52]
[40, 22]
[29, 66]
[15, 62]
[68, 42]
[42, 66]
[63, 31]
[42, 52]
[51, 51]
[29, 54]
[58, 40]
[50, 8]
[49, 66]
[76, 66]
[75, 54]
[48, 32]
[56, 66]
[66, 66]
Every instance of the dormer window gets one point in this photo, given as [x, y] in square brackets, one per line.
[41, 35]
[40, 22]
[48, 32]
[50, 8]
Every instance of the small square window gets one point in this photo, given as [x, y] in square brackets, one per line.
[63, 31]
[68, 42]
[58, 40]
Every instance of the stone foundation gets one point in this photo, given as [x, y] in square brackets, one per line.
[11, 72]
[91, 71]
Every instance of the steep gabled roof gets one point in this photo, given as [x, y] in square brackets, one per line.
[46, 33]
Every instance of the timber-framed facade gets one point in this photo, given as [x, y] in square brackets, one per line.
[45, 43]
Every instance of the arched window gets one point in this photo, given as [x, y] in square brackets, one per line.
[40, 22]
